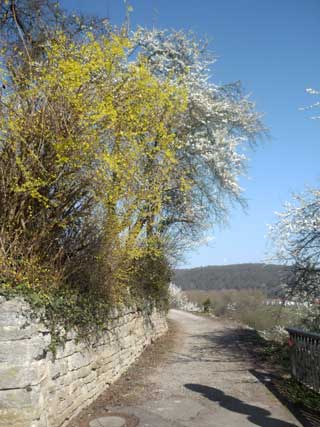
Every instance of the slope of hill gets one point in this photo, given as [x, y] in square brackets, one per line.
[267, 277]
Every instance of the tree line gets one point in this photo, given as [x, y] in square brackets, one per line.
[269, 278]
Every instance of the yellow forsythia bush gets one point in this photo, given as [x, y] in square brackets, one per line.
[87, 149]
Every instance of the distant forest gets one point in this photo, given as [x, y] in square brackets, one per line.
[267, 277]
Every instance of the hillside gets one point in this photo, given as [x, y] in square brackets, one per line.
[267, 277]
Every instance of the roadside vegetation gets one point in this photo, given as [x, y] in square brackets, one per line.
[253, 308]
[116, 154]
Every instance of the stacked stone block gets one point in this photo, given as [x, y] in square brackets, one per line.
[37, 390]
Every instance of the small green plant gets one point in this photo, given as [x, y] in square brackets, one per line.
[207, 305]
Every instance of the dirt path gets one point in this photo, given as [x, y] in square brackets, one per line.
[209, 378]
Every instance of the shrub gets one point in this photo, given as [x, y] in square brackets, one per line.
[207, 305]
[78, 189]
[253, 308]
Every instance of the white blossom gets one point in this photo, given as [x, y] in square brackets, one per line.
[296, 241]
[315, 105]
[178, 299]
[214, 130]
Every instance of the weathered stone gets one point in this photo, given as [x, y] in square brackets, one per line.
[17, 417]
[23, 351]
[15, 376]
[14, 333]
[68, 349]
[12, 318]
[58, 368]
[79, 360]
[37, 391]
[108, 422]
[27, 397]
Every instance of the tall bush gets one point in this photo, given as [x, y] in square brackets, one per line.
[82, 176]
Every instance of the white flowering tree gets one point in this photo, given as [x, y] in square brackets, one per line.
[178, 299]
[315, 105]
[214, 132]
[296, 236]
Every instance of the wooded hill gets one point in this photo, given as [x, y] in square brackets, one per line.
[267, 277]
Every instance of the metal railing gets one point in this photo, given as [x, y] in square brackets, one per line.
[305, 357]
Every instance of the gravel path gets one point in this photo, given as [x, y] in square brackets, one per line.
[209, 378]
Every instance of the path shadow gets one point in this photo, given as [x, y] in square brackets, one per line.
[306, 416]
[259, 416]
[247, 345]
[240, 343]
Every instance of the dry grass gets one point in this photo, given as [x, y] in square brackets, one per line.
[247, 306]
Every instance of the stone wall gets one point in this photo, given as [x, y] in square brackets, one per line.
[37, 391]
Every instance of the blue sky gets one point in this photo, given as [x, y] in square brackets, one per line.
[273, 48]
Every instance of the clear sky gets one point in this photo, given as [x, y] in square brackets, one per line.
[273, 48]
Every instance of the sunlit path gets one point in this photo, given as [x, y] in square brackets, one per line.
[209, 380]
